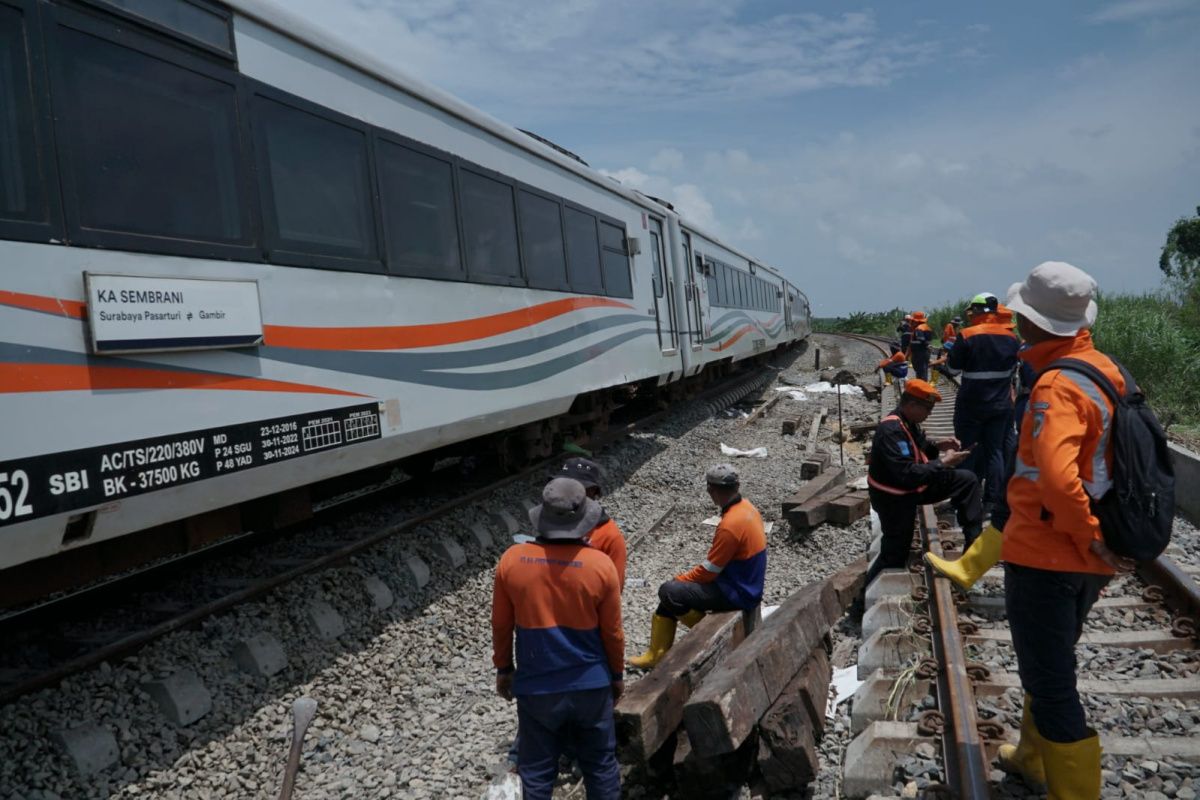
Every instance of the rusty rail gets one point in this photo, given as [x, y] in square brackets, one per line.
[1168, 584]
[962, 744]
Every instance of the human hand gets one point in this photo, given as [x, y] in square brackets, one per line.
[952, 458]
[951, 443]
[618, 689]
[504, 684]
[1121, 564]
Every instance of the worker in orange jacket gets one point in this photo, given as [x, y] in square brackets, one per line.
[1057, 562]
[919, 344]
[731, 576]
[606, 536]
[562, 600]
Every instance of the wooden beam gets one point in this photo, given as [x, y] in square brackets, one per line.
[848, 581]
[849, 507]
[814, 465]
[651, 709]
[727, 706]
[811, 444]
[791, 728]
[815, 511]
[814, 487]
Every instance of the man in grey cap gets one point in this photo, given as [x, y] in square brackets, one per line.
[563, 600]
[730, 578]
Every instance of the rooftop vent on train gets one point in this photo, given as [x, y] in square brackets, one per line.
[660, 201]
[554, 146]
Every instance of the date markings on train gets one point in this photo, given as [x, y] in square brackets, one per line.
[59, 482]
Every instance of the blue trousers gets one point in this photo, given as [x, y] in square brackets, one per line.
[920, 362]
[990, 432]
[580, 720]
[1046, 611]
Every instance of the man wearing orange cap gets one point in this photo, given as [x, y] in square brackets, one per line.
[907, 470]
[918, 346]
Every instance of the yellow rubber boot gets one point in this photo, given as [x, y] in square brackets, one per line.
[887, 376]
[662, 636]
[692, 618]
[982, 555]
[1026, 758]
[1072, 769]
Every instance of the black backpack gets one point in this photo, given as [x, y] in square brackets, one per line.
[1137, 513]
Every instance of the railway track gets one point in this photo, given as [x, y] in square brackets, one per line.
[48, 642]
[925, 639]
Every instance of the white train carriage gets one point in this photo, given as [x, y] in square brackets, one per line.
[239, 258]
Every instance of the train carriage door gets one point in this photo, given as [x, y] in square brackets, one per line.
[787, 307]
[664, 292]
[696, 317]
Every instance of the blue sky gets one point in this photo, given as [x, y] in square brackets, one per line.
[906, 153]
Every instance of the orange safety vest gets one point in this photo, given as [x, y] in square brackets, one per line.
[918, 454]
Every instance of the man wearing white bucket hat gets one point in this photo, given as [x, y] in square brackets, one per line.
[1057, 562]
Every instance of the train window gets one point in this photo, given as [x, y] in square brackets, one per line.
[726, 290]
[151, 142]
[198, 21]
[490, 228]
[742, 293]
[710, 276]
[419, 217]
[656, 276]
[583, 252]
[20, 187]
[542, 241]
[614, 260]
[317, 195]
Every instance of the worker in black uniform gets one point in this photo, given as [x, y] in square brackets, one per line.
[907, 470]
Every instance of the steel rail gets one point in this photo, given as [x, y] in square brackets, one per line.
[738, 385]
[962, 745]
[1167, 583]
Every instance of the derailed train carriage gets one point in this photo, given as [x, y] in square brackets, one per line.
[239, 258]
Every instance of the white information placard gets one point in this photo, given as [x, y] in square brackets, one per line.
[139, 313]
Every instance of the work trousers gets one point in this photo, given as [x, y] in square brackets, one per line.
[920, 362]
[581, 721]
[990, 432]
[898, 515]
[676, 598]
[1046, 611]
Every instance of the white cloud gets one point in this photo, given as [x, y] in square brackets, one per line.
[667, 160]
[1134, 10]
[691, 203]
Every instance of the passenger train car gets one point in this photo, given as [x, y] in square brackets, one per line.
[238, 257]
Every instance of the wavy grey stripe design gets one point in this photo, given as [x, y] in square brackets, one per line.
[32, 354]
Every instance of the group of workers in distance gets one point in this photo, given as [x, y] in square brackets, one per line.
[559, 596]
[1031, 452]
[1032, 447]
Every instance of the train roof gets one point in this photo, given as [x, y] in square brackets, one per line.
[287, 23]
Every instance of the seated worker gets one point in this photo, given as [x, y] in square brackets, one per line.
[894, 368]
[606, 536]
[906, 471]
[730, 578]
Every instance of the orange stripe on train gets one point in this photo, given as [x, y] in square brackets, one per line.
[742, 331]
[401, 337]
[69, 377]
[48, 305]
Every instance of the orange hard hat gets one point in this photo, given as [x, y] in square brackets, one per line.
[918, 316]
[922, 390]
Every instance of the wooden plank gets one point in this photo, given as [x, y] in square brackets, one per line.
[790, 425]
[816, 486]
[715, 778]
[727, 706]
[849, 507]
[789, 731]
[811, 444]
[848, 583]
[651, 709]
[815, 511]
[762, 409]
[814, 465]
[861, 430]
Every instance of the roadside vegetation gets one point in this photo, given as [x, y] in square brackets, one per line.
[1155, 335]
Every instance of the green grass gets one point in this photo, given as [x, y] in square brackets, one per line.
[1156, 336]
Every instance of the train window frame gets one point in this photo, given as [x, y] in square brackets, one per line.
[565, 284]
[623, 252]
[488, 278]
[42, 155]
[229, 52]
[282, 251]
[249, 248]
[404, 267]
[596, 217]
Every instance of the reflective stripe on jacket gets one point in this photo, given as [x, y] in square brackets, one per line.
[563, 601]
[737, 559]
[986, 355]
[901, 457]
[922, 335]
[1063, 460]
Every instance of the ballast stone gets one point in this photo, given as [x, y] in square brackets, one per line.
[381, 596]
[90, 748]
[181, 697]
[326, 621]
[418, 570]
[260, 654]
[450, 551]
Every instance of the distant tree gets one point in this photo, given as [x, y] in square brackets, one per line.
[1180, 257]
